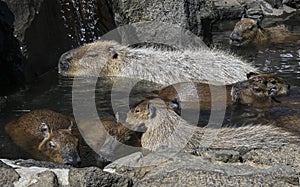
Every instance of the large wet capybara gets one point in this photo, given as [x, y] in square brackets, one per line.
[47, 136]
[248, 31]
[108, 58]
[167, 129]
[260, 91]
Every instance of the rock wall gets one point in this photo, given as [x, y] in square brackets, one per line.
[11, 62]
[47, 28]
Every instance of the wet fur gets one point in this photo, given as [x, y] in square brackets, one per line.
[26, 132]
[108, 58]
[248, 31]
[254, 92]
[166, 129]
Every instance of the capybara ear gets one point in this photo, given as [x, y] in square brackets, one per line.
[45, 129]
[251, 74]
[152, 110]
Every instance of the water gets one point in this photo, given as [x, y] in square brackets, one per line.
[55, 92]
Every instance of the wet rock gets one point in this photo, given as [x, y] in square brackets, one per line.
[93, 176]
[188, 14]
[3, 101]
[47, 28]
[229, 9]
[8, 175]
[171, 169]
[292, 3]
[11, 63]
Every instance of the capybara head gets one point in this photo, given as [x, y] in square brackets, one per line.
[244, 32]
[101, 57]
[59, 146]
[142, 112]
[251, 92]
[276, 86]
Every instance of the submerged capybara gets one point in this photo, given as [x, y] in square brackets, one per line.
[109, 138]
[108, 58]
[167, 129]
[47, 136]
[248, 31]
[260, 90]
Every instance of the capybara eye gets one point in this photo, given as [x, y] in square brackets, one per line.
[137, 110]
[273, 82]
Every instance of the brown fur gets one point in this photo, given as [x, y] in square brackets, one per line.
[166, 129]
[124, 133]
[254, 92]
[247, 31]
[111, 139]
[46, 135]
[276, 85]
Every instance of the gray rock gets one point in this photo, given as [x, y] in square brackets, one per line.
[11, 64]
[60, 26]
[92, 176]
[161, 169]
[288, 155]
[188, 14]
[292, 3]
[44, 179]
[8, 175]
[3, 101]
[36, 175]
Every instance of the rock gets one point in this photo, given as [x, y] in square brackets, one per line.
[8, 175]
[35, 173]
[11, 63]
[229, 9]
[3, 101]
[44, 179]
[292, 3]
[188, 14]
[288, 155]
[47, 28]
[170, 169]
[93, 176]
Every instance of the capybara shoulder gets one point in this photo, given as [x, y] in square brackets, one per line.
[248, 31]
[47, 136]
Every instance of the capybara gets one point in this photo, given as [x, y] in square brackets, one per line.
[258, 91]
[108, 58]
[249, 32]
[167, 129]
[47, 136]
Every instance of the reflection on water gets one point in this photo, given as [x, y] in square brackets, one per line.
[55, 93]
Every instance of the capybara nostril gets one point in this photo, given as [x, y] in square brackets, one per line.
[235, 36]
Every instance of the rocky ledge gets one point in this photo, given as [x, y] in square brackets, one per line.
[203, 167]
